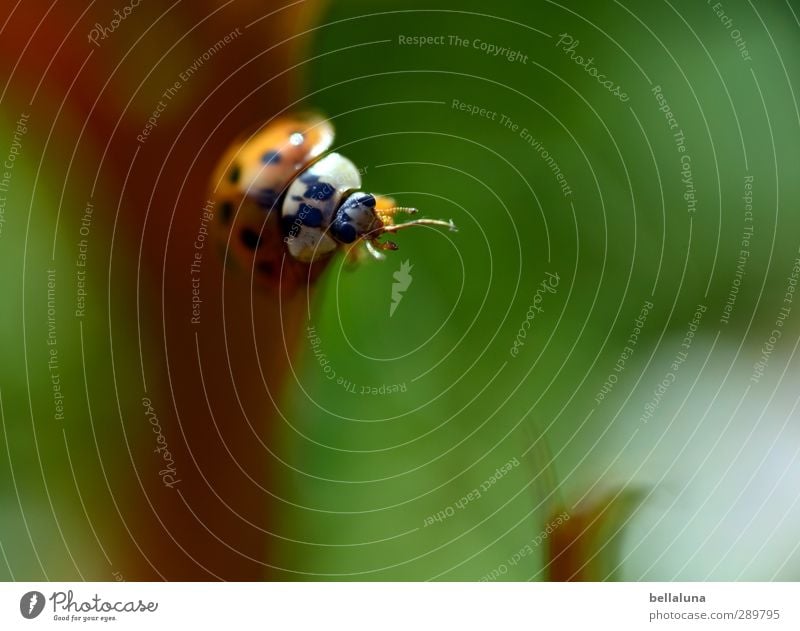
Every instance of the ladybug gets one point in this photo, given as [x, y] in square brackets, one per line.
[282, 204]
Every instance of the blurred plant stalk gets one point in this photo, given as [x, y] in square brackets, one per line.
[197, 499]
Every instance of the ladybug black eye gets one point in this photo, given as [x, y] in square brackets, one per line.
[343, 232]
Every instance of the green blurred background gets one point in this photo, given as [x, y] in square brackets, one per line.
[704, 489]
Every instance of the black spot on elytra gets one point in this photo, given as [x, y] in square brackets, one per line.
[267, 268]
[250, 238]
[267, 198]
[225, 212]
[320, 191]
[287, 222]
[310, 216]
[234, 174]
[309, 178]
[271, 157]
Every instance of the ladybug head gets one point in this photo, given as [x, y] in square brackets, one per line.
[360, 217]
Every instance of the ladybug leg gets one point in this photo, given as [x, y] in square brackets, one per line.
[385, 214]
[374, 247]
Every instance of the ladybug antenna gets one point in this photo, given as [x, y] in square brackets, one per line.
[387, 224]
[387, 218]
[421, 222]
